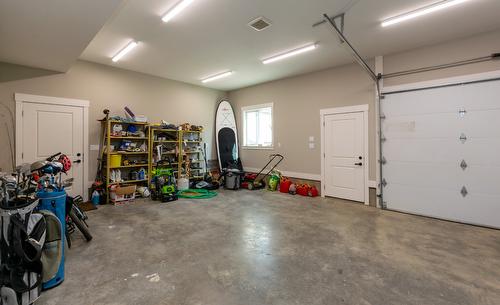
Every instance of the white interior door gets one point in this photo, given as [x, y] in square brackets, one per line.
[442, 150]
[48, 129]
[344, 172]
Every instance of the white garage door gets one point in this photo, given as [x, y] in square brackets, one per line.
[442, 152]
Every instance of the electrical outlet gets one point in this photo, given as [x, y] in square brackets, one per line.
[311, 139]
[311, 145]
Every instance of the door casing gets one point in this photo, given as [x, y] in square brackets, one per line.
[342, 110]
[21, 99]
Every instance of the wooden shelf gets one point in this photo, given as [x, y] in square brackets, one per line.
[129, 153]
[131, 166]
[166, 141]
[130, 123]
[128, 182]
[129, 138]
[165, 130]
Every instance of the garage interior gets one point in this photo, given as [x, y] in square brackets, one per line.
[249, 152]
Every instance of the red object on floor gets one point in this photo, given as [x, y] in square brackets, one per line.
[313, 192]
[250, 177]
[303, 189]
[285, 185]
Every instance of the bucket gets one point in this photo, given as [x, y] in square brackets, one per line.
[183, 184]
[115, 161]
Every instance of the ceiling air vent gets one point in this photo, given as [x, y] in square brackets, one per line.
[259, 24]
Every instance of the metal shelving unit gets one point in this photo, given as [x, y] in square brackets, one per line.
[179, 144]
[112, 144]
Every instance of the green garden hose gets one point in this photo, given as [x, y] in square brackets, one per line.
[197, 194]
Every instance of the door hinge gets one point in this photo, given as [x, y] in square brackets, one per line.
[22, 155]
[22, 113]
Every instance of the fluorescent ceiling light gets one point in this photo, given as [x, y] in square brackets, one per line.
[290, 54]
[176, 10]
[125, 50]
[422, 11]
[217, 76]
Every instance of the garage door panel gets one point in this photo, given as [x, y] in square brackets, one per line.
[474, 124]
[481, 96]
[421, 102]
[429, 202]
[446, 176]
[474, 151]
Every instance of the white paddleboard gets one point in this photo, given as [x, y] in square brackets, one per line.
[226, 134]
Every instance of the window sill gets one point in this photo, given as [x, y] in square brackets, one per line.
[257, 147]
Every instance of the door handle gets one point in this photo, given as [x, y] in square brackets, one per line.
[77, 161]
[358, 164]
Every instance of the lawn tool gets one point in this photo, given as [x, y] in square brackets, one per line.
[163, 186]
[254, 181]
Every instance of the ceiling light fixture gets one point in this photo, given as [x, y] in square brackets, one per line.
[290, 53]
[422, 11]
[217, 76]
[176, 10]
[125, 50]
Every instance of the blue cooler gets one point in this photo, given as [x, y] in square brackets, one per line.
[54, 202]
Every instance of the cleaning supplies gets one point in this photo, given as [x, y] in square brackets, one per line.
[95, 197]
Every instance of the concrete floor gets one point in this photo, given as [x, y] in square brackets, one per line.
[267, 248]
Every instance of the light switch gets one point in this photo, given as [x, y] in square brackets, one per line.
[311, 139]
[94, 147]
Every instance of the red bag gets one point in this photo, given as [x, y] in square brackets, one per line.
[285, 185]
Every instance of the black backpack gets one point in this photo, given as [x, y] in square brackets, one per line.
[22, 237]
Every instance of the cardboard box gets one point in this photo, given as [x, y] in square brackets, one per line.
[122, 194]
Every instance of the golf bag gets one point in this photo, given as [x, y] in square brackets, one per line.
[22, 237]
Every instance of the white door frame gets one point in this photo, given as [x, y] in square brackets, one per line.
[21, 98]
[343, 110]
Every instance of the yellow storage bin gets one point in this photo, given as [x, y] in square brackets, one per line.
[116, 161]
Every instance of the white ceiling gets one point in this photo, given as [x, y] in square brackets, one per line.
[212, 36]
[50, 34]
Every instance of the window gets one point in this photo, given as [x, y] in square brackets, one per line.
[258, 126]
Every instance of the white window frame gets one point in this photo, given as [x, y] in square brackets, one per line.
[243, 120]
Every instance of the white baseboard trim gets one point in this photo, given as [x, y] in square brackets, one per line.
[372, 184]
[297, 175]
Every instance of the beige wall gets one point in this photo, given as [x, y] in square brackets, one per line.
[107, 87]
[457, 50]
[298, 100]
[297, 103]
